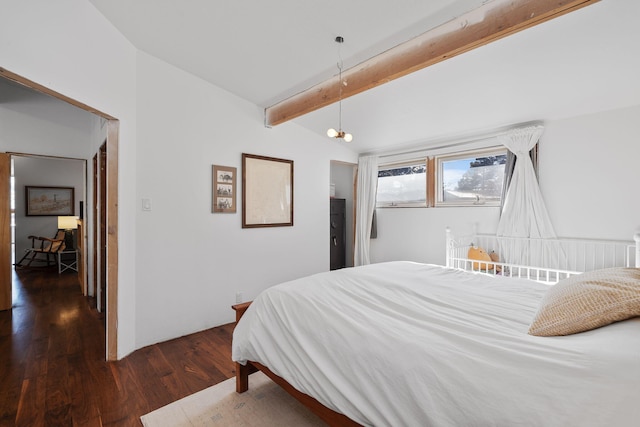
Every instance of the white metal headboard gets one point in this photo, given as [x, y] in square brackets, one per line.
[544, 260]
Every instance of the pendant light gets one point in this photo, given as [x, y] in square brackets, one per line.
[332, 133]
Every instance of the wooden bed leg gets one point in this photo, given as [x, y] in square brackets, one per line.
[242, 372]
[242, 378]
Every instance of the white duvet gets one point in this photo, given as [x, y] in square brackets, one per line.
[407, 344]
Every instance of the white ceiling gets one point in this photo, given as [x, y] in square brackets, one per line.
[29, 102]
[265, 51]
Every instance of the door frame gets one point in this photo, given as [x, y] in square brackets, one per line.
[113, 130]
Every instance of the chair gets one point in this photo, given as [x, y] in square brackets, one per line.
[44, 250]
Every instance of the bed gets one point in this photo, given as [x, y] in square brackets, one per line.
[407, 344]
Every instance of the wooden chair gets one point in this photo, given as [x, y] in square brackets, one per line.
[44, 250]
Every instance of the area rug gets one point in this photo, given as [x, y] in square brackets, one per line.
[265, 405]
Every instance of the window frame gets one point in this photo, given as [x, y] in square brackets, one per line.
[438, 181]
[433, 177]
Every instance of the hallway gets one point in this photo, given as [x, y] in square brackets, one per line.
[52, 368]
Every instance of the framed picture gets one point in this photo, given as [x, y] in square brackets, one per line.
[224, 189]
[50, 201]
[267, 191]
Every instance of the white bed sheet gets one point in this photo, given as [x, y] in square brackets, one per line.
[408, 344]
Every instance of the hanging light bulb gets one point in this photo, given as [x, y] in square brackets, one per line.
[332, 133]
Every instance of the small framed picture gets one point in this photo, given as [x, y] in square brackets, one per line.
[49, 201]
[224, 189]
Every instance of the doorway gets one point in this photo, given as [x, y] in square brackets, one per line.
[110, 208]
[43, 174]
[342, 185]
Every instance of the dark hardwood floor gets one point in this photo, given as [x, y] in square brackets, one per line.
[52, 368]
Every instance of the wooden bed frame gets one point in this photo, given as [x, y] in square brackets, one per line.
[329, 416]
[625, 254]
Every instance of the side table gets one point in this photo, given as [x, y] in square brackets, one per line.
[67, 260]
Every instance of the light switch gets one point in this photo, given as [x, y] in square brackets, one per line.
[146, 204]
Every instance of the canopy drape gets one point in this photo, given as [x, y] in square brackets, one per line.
[524, 213]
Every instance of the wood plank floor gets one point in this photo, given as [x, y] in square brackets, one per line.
[52, 368]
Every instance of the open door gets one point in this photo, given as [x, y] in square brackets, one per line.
[5, 232]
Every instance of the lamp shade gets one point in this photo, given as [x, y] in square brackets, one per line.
[67, 222]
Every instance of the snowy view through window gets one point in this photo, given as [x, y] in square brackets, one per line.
[475, 179]
[465, 180]
[403, 185]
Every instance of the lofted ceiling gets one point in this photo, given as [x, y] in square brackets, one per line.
[580, 63]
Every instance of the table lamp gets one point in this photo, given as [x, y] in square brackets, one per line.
[68, 224]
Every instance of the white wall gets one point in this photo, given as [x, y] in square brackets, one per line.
[418, 234]
[588, 173]
[191, 262]
[587, 168]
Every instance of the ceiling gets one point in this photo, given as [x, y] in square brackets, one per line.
[25, 101]
[579, 63]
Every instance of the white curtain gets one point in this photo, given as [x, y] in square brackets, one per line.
[365, 205]
[524, 213]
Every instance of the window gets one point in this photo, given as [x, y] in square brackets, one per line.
[402, 185]
[471, 178]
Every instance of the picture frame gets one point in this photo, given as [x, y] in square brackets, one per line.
[267, 191]
[49, 201]
[224, 189]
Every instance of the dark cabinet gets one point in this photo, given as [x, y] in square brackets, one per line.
[337, 233]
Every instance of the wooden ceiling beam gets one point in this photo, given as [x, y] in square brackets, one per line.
[490, 22]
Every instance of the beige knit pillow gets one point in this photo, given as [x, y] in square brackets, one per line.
[588, 301]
